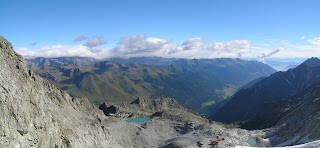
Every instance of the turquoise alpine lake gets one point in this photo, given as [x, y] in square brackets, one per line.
[145, 119]
[252, 142]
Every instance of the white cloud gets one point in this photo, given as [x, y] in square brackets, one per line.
[142, 45]
[61, 51]
[23, 49]
[233, 47]
[315, 41]
[264, 55]
[155, 40]
[193, 44]
[80, 38]
[299, 51]
[94, 42]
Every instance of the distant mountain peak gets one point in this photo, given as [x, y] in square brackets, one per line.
[312, 62]
[59, 61]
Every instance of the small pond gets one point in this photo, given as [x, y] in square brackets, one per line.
[252, 142]
[145, 119]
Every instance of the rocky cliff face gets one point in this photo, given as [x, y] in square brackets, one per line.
[34, 113]
[301, 123]
[153, 105]
[260, 106]
[165, 108]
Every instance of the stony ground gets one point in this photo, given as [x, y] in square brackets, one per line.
[164, 133]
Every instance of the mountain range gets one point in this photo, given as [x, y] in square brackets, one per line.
[198, 84]
[60, 61]
[35, 113]
[285, 101]
[275, 88]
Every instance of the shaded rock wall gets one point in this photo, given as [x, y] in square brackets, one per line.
[34, 113]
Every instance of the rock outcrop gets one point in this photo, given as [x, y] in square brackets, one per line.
[34, 113]
[156, 104]
[108, 109]
[165, 108]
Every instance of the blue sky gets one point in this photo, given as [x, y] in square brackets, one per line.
[168, 28]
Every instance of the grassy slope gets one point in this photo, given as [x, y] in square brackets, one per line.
[125, 82]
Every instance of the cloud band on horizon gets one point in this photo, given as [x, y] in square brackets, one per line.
[143, 46]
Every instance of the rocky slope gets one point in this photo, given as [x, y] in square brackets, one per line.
[164, 108]
[169, 126]
[34, 113]
[301, 122]
[159, 133]
[268, 97]
[288, 102]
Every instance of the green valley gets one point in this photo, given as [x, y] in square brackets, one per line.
[194, 83]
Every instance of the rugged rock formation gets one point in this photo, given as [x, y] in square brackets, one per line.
[148, 107]
[260, 106]
[156, 104]
[288, 102]
[108, 109]
[165, 108]
[301, 123]
[34, 113]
